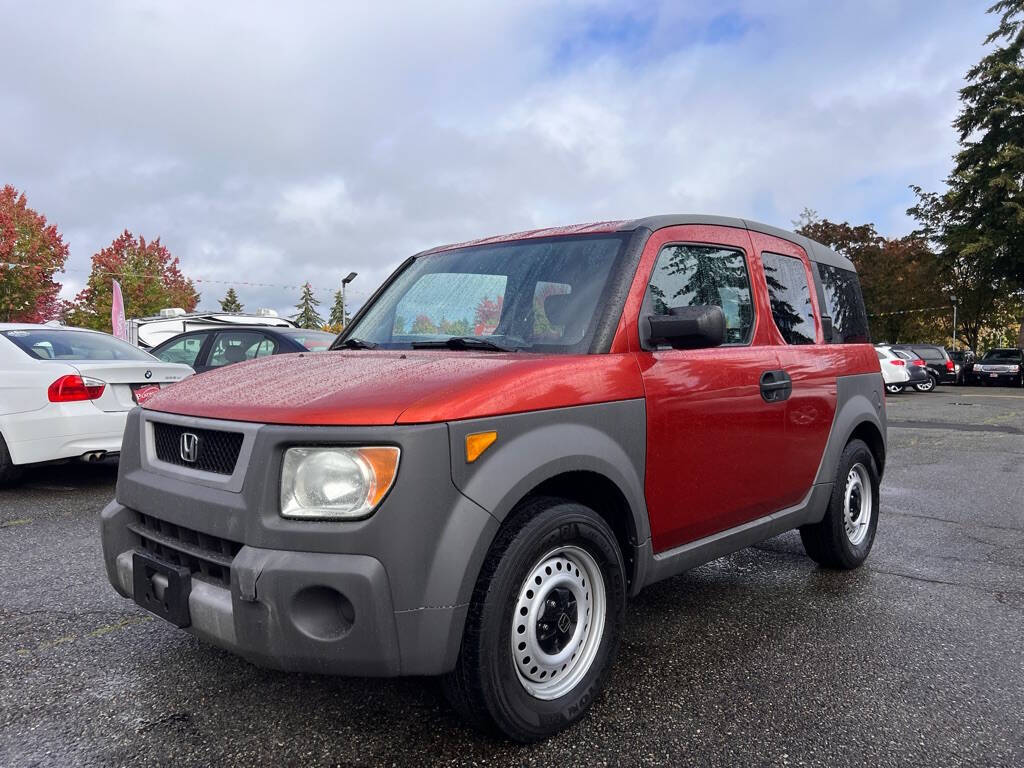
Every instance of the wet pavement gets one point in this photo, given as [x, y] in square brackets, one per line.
[760, 658]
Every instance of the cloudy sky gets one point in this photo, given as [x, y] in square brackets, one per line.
[284, 142]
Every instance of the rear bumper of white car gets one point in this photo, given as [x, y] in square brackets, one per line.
[62, 431]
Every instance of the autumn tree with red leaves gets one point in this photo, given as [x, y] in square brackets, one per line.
[150, 281]
[31, 251]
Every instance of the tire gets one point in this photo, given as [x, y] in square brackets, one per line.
[927, 386]
[9, 473]
[893, 389]
[500, 681]
[840, 540]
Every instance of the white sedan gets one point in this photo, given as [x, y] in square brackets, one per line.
[894, 369]
[66, 393]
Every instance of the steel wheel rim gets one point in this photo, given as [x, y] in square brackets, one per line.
[858, 504]
[554, 643]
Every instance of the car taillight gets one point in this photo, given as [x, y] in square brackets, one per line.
[949, 365]
[72, 388]
[920, 362]
[897, 362]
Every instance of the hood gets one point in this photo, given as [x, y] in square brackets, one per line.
[355, 387]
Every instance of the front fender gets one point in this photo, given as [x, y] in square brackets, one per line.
[608, 439]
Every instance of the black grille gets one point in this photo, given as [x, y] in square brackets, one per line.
[215, 451]
[207, 557]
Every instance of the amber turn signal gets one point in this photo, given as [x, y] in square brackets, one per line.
[477, 443]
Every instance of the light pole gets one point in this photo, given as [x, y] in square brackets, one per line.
[345, 281]
[953, 299]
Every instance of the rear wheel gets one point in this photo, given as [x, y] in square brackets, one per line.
[844, 536]
[9, 473]
[544, 622]
[893, 389]
[925, 386]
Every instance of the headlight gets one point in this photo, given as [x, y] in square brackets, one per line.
[336, 483]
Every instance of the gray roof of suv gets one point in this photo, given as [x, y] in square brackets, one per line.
[815, 251]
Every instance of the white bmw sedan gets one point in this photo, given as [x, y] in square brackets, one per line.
[66, 393]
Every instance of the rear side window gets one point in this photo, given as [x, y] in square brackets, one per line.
[184, 350]
[841, 300]
[703, 275]
[790, 297]
[931, 354]
[236, 346]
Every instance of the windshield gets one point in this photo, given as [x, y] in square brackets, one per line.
[314, 341]
[60, 344]
[1003, 356]
[534, 295]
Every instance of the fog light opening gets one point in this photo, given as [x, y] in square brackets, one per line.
[322, 613]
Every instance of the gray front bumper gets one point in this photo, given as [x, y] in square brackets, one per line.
[299, 611]
[377, 597]
[304, 611]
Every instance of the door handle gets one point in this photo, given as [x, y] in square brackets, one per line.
[776, 386]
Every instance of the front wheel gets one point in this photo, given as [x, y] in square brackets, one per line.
[845, 534]
[893, 389]
[925, 386]
[544, 623]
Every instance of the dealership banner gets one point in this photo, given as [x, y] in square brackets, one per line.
[120, 328]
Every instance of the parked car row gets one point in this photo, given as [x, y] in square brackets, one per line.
[65, 392]
[903, 364]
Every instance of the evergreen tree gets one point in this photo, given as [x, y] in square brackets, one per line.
[307, 316]
[230, 302]
[979, 219]
[339, 313]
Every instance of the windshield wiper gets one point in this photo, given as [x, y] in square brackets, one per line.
[354, 343]
[464, 342]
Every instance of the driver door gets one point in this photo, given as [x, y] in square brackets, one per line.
[713, 439]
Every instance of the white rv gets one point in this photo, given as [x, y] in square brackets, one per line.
[147, 332]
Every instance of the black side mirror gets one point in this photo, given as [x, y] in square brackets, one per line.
[689, 327]
[826, 327]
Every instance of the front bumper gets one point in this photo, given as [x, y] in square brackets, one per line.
[1000, 377]
[377, 597]
[299, 611]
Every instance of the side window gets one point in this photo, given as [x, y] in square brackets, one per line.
[841, 300]
[184, 350]
[701, 275]
[235, 346]
[790, 297]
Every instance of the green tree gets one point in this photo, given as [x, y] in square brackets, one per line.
[979, 220]
[31, 251]
[308, 316]
[150, 280]
[422, 326]
[339, 313]
[230, 302]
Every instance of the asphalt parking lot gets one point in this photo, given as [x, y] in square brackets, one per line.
[757, 659]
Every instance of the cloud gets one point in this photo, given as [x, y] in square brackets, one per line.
[278, 143]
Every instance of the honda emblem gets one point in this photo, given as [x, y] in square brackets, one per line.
[189, 447]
